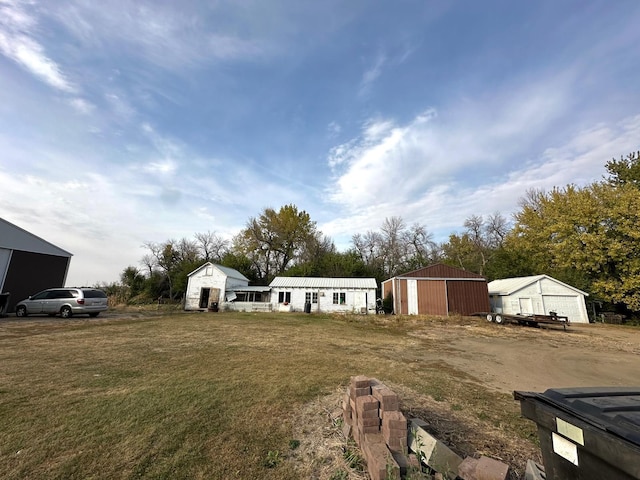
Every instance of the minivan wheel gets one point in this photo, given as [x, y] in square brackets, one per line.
[21, 311]
[65, 312]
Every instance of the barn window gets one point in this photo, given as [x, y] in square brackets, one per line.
[339, 298]
[311, 297]
[284, 297]
[208, 271]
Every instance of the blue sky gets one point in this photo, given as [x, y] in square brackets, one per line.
[123, 122]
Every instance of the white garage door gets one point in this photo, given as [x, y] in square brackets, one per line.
[568, 306]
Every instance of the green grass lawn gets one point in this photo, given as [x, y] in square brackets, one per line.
[209, 395]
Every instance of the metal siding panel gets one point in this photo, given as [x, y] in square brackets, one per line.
[431, 297]
[403, 297]
[440, 270]
[466, 298]
[29, 273]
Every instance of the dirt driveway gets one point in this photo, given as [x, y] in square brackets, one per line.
[511, 357]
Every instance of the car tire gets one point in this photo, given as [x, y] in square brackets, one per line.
[21, 311]
[489, 317]
[65, 312]
[499, 319]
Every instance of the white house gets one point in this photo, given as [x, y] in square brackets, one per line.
[539, 294]
[211, 283]
[346, 295]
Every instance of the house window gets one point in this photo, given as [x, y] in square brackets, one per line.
[339, 298]
[284, 297]
[311, 297]
[208, 271]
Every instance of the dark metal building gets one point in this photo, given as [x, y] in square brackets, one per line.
[438, 290]
[28, 263]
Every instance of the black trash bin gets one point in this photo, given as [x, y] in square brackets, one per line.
[213, 307]
[307, 307]
[4, 303]
[590, 433]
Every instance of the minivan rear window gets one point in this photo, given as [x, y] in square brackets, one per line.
[94, 294]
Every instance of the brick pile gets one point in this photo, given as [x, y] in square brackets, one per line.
[371, 412]
[372, 416]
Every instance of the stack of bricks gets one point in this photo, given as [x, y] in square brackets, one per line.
[378, 427]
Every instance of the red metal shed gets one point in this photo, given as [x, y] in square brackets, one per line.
[438, 290]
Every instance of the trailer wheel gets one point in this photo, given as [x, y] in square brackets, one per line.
[499, 319]
[489, 317]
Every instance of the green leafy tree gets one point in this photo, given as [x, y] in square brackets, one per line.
[587, 237]
[133, 280]
[625, 171]
[275, 240]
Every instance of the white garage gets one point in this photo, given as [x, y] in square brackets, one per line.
[539, 294]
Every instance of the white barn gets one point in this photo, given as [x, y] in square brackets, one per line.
[538, 294]
[327, 295]
[211, 283]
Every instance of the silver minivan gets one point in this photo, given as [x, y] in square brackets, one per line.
[65, 302]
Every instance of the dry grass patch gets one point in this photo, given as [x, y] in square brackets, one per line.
[226, 395]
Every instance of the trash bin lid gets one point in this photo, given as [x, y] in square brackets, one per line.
[613, 409]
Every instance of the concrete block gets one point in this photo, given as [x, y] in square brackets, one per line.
[360, 381]
[369, 422]
[346, 403]
[491, 469]
[357, 434]
[397, 444]
[394, 434]
[484, 468]
[370, 429]
[367, 402]
[347, 419]
[374, 381]
[435, 453]
[534, 471]
[467, 469]
[381, 464]
[394, 420]
[359, 392]
[389, 401]
[369, 414]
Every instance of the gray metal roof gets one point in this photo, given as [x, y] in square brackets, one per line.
[13, 237]
[229, 272]
[258, 288]
[507, 286]
[322, 282]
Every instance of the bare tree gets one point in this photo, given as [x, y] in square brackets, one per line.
[212, 247]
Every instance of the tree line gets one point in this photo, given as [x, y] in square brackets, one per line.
[588, 237]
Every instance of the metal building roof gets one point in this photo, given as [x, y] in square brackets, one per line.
[229, 272]
[507, 286]
[323, 282]
[13, 237]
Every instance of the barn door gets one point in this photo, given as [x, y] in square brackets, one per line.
[412, 297]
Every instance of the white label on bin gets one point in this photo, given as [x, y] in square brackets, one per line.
[565, 448]
[570, 431]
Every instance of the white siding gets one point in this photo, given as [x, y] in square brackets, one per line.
[543, 296]
[355, 299]
[209, 276]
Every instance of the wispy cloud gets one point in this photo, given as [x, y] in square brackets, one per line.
[163, 34]
[372, 74]
[17, 42]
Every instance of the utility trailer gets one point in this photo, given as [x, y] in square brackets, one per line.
[533, 320]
